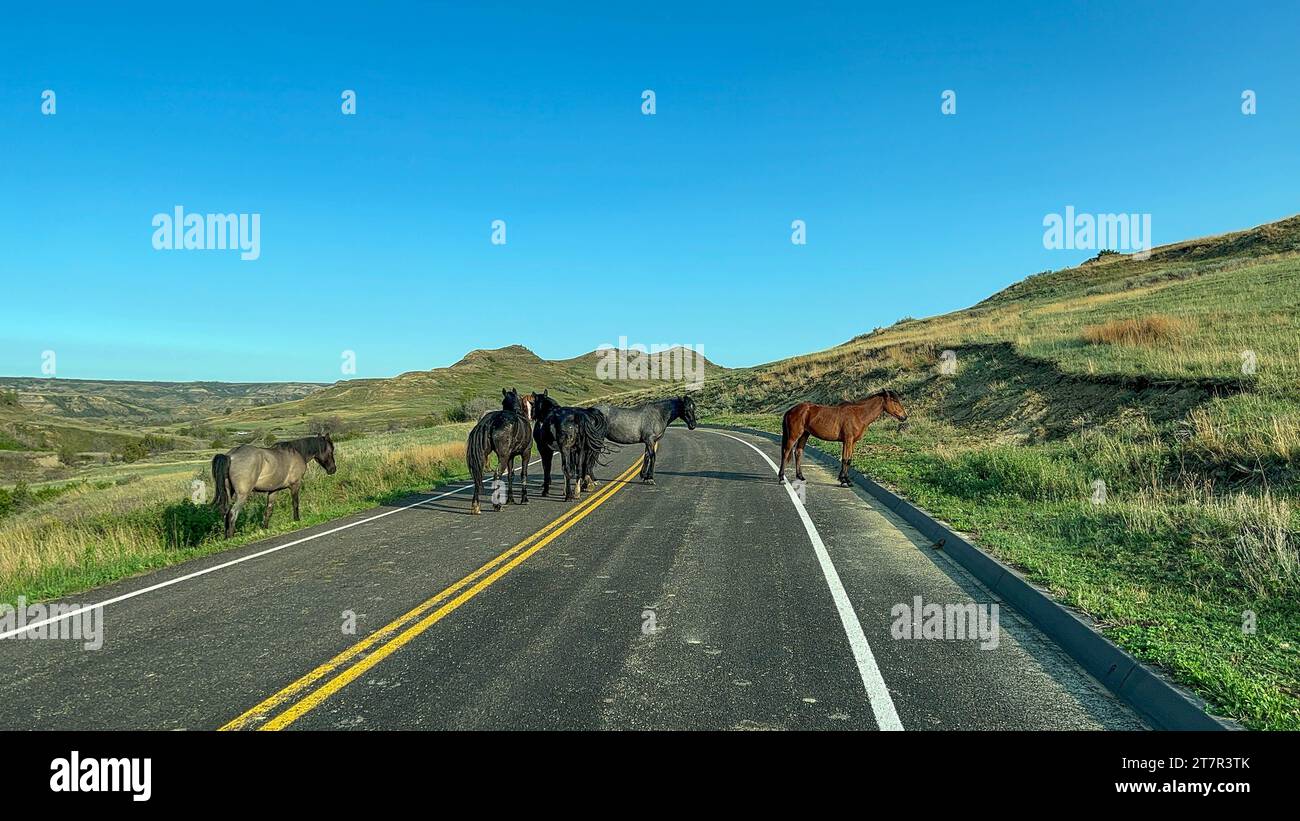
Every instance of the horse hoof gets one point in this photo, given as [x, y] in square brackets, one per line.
[497, 507]
[650, 481]
[474, 511]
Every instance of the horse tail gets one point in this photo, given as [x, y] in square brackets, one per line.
[786, 431]
[221, 477]
[592, 429]
[477, 447]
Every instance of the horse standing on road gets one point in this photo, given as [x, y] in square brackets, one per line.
[250, 468]
[507, 433]
[844, 423]
[577, 434]
[645, 424]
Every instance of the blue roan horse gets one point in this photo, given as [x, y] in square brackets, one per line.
[646, 424]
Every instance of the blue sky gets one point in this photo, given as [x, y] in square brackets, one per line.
[672, 228]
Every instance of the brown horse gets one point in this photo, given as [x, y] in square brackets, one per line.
[844, 423]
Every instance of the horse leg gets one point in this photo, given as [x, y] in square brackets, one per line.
[510, 480]
[546, 454]
[798, 456]
[523, 475]
[588, 473]
[648, 470]
[266, 517]
[568, 473]
[293, 491]
[845, 456]
[478, 491]
[496, 484]
[232, 515]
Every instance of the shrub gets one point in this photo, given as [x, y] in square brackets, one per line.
[1145, 331]
[186, 524]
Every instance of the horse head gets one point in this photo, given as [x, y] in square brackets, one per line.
[688, 411]
[893, 405]
[326, 456]
[543, 404]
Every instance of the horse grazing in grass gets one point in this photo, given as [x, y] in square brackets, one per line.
[577, 434]
[646, 424]
[507, 433]
[250, 468]
[844, 423]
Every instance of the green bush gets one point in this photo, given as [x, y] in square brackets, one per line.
[186, 524]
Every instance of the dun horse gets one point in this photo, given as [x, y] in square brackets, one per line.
[578, 434]
[249, 468]
[507, 433]
[646, 424]
[844, 423]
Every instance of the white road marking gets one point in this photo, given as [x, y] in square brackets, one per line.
[877, 693]
[231, 563]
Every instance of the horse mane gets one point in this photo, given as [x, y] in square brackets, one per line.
[306, 447]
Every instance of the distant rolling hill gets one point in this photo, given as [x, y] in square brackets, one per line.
[480, 375]
[145, 402]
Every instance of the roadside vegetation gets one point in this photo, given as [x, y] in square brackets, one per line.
[74, 536]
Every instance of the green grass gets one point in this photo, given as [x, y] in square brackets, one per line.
[97, 532]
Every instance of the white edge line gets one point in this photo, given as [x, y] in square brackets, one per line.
[53, 619]
[877, 693]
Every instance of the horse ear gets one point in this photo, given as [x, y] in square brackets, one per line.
[505, 392]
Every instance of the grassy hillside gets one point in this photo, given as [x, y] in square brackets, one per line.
[376, 404]
[1135, 373]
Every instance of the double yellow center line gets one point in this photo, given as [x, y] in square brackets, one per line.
[296, 700]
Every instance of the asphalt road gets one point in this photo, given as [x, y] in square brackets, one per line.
[705, 601]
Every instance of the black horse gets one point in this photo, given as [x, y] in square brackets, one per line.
[578, 434]
[507, 433]
[646, 424]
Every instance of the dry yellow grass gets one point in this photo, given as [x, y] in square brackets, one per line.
[1143, 331]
